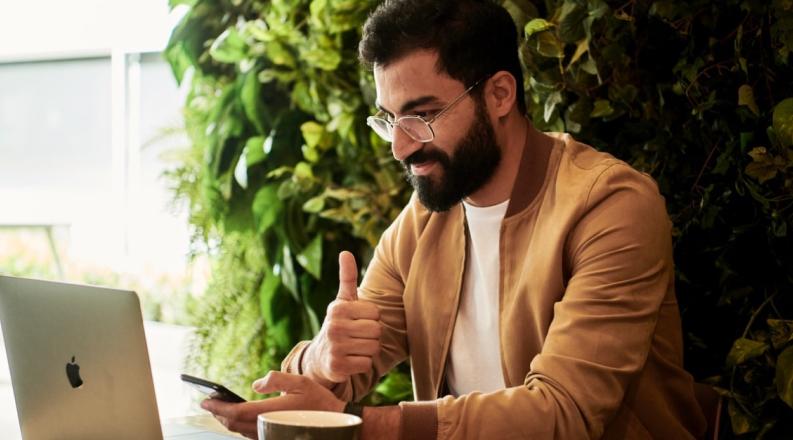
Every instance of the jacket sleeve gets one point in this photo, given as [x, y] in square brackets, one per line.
[619, 252]
[382, 285]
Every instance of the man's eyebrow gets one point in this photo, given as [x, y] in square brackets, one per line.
[410, 105]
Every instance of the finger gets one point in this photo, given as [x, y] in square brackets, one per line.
[357, 364]
[353, 310]
[220, 408]
[363, 329]
[276, 381]
[362, 347]
[348, 277]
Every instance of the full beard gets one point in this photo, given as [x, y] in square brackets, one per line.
[469, 168]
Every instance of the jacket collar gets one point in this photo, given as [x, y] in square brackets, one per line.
[534, 164]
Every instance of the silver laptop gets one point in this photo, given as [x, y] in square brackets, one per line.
[79, 363]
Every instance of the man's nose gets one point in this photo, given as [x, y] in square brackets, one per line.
[403, 145]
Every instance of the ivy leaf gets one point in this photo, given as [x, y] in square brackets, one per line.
[581, 48]
[744, 349]
[783, 121]
[396, 386]
[288, 275]
[268, 299]
[537, 25]
[252, 103]
[784, 376]
[602, 109]
[746, 98]
[741, 422]
[229, 47]
[550, 104]
[279, 54]
[521, 11]
[765, 167]
[549, 45]
[314, 204]
[254, 151]
[311, 257]
[781, 332]
[266, 207]
[312, 133]
[571, 21]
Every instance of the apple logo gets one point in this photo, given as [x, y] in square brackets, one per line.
[73, 373]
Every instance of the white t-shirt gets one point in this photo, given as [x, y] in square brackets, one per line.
[475, 353]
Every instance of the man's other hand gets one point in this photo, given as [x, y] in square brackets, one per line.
[349, 337]
[297, 392]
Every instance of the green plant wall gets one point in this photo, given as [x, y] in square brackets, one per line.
[283, 172]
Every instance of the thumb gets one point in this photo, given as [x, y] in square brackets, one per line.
[348, 277]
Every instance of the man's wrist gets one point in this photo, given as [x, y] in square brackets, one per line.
[381, 423]
[306, 367]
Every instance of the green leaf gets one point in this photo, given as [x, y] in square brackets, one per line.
[303, 171]
[741, 422]
[602, 109]
[321, 57]
[312, 133]
[178, 60]
[267, 207]
[311, 257]
[764, 167]
[268, 297]
[254, 150]
[288, 275]
[571, 20]
[314, 204]
[744, 349]
[396, 386]
[784, 376]
[174, 3]
[665, 9]
[521, 11]
[229, 47]
[746, 98]
[537, 25]
[549, 45]
[252, 103]
[550, 104]
[781, 332]
[279, 54]
[581, 48]
[783, 122]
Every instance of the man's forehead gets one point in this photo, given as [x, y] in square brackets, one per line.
[409, 78]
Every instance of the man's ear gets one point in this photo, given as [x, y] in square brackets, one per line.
[500, 93]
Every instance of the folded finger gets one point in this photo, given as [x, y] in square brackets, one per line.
[365, 329]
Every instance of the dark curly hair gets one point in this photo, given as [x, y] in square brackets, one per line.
[473, 38]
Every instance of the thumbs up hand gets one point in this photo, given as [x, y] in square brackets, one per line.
[350, 335]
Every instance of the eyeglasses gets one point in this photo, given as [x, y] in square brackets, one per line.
[418, 128]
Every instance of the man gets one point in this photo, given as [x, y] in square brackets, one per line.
[529, 281]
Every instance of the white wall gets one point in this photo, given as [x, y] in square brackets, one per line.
[41, 27]
[77, 104]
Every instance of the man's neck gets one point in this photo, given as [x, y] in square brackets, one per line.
[511, 135]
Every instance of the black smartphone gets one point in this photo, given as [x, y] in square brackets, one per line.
[212, 389]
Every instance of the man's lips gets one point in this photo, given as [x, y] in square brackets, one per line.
[422, 168]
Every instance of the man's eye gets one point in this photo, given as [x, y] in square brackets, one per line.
[424, 114]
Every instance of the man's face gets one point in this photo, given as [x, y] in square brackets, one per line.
[464, 154]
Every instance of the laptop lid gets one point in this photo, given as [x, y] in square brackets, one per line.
[78, 361]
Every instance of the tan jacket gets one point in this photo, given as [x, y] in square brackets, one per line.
[590, 330]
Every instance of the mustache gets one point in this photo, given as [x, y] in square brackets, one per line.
[426, 155]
